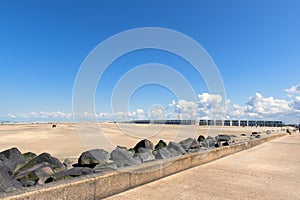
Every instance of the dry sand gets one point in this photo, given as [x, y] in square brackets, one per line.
[65, 142]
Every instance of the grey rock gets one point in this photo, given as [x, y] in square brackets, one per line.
[7, 183]
[122, 158]
[38, 174]
[12, 159]
[225, 144]
[189, 144]
[243, 135]
[55, 164]
[143, 143]
[70, 173]
[28, 183]
[173, 152]
[105, 168]
[7, 165]
[160, 144]
[67, 163]
[209, 142]
[257, 136]
[218, 144]
[201, 138]
[93, 157]
[145, 155]
[177, 147]
[29, 156]
[223, 138]
[162, 153]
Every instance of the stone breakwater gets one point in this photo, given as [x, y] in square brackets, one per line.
[19, 170]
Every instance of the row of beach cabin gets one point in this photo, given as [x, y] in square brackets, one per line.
[242, 123]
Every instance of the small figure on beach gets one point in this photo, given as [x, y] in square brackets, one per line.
[288, 131]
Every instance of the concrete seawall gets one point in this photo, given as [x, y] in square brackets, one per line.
[100, 186]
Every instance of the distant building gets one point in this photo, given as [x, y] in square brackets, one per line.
[251, 123]
[278, 123]
[260, 123]
[203, 122]
[269, 123]
[227, 123]
[219, 122]
[243, 123]
[210, 122]
[235, 123]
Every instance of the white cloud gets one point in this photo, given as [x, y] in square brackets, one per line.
[157, 112]
[12, 115]
[295, 104]
[267, 106]
[187, 109]
[294, 90]
[208, 106]
[211, 106]
[41, 116]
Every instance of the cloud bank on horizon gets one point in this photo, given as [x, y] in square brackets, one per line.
[208, 106]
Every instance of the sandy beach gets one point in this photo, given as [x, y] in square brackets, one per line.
[69, 140]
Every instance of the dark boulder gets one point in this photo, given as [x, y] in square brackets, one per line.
[173, 152]
[70, 173]
[177, 147]
[225, 144]
[105, 168]
[93, 157]
[28, 183]
[162, 153]
[268, 132]
[67, 163]
[37, 174]
[7, 183]
[7, 165]
[257, 136]
[189, 144]
[55, 164]
[218, 144]
[201, 138]
[243, 135]
[130, 150]
[12, 159]
[254, 133]
[144, 144]
[223, 138]
[145, 155]
[29, 156]
[122, 158]
[209, 142]
[160, 144]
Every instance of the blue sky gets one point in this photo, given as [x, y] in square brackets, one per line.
[255, 45]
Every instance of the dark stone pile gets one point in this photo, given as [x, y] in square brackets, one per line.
[19, 170]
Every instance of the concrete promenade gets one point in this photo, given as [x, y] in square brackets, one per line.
[267, 171]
